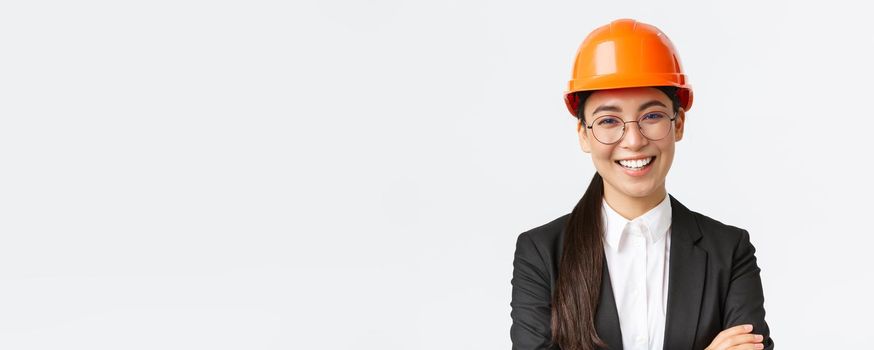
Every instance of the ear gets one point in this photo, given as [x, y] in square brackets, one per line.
[584, 137]
[679, 124]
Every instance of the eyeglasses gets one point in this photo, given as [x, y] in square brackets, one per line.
[609, 129]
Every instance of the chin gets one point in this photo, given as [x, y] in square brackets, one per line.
[640, 189]
[639, 192]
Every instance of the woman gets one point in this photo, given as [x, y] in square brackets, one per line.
[631, 267]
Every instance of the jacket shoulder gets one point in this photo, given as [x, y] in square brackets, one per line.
[542, 246]
[716, 231]
[548, 233]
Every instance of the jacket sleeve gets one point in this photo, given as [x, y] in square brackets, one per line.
[744, 303]
[531, 298]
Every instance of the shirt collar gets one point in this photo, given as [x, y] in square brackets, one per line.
[656, 221]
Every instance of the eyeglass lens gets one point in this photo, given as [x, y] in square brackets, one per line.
[610, 129]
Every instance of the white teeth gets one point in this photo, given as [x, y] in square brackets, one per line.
[635, 164]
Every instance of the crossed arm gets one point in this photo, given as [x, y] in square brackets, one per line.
[744, 304]
[531, 308]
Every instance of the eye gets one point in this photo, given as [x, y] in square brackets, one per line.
[608, 121]
[653, 117]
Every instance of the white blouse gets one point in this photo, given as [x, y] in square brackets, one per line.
[637, 254]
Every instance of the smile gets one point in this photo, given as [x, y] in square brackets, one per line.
[636, 167]
[635, 164]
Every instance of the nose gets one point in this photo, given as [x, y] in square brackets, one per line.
[633, 139]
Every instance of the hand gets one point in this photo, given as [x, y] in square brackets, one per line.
[737, 338]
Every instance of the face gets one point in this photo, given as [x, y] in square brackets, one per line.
[621, 183]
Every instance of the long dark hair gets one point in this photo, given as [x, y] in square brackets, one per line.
[580, 270]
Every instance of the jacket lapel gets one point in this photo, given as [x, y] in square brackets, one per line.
[688, 264]
[607, 316]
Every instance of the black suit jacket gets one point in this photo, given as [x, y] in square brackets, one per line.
[713, 284]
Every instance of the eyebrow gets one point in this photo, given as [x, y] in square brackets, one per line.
[610, 108]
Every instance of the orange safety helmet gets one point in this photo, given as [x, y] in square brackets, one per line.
[626, 53]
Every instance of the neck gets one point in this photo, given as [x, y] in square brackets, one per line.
[632, 207]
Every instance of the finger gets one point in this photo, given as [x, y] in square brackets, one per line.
[739, 329]
[741, 339]
[757, 346]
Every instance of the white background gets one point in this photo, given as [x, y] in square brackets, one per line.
[354, 174]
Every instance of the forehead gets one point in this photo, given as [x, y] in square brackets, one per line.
[626, 99]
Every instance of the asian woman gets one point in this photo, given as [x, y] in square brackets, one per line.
[631, 267]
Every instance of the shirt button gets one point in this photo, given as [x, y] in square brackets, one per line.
[641, 339]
